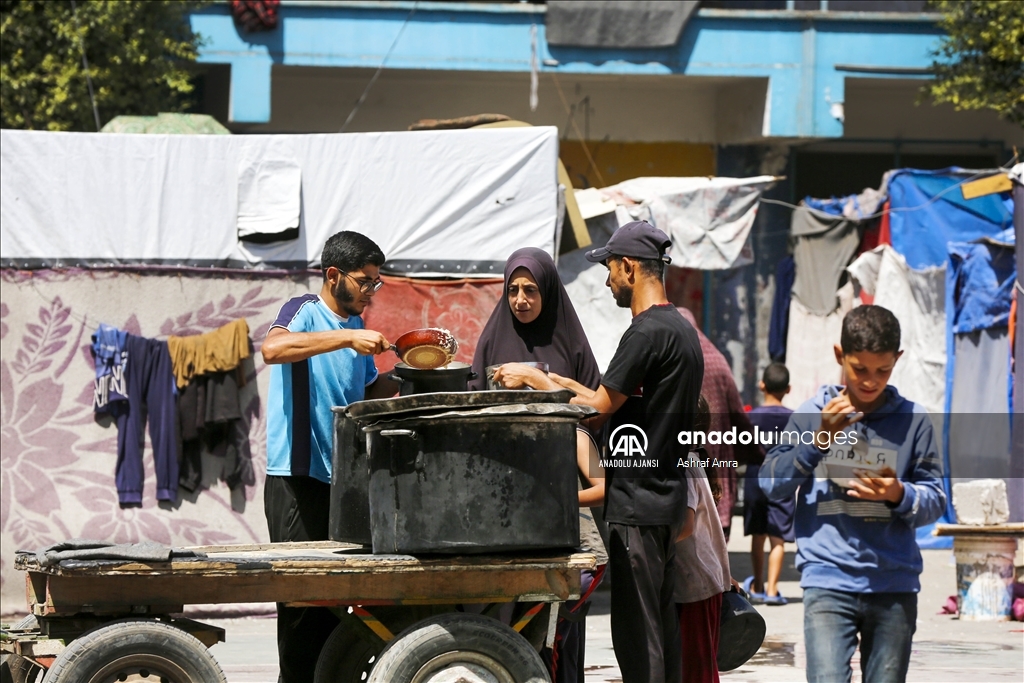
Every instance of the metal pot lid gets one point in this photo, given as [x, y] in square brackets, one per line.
[375, 409]
[542, 410]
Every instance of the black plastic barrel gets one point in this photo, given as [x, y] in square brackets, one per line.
[349, 520]
[474, 481]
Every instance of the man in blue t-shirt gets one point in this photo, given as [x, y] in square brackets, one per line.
[320, 356]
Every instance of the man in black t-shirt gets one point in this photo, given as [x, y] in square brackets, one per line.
[650, 393]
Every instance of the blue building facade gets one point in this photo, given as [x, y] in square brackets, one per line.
[824, 93]
[805, 56]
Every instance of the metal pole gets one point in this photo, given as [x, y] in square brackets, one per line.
[1016, 480]
[85, 64]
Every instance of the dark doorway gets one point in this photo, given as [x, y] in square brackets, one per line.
[827, 174]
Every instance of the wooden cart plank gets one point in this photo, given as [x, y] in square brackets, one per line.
[288, 545]
[306, 561]
[1015, 529]
[134, 593]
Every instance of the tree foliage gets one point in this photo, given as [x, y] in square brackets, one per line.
[138, 52]
[980, 63]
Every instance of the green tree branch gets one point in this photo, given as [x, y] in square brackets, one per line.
[139, 52]
[980, 63]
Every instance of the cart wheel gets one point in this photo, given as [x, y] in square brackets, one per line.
[14, 669]
[136, 650]
[348, 655]
[463, 647]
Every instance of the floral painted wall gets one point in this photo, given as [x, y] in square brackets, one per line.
[57, 459]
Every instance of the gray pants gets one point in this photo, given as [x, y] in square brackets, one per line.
[645, 626]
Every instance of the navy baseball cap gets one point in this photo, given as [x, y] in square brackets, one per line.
[639, 240]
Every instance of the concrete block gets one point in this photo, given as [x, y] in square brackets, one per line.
[981, 502]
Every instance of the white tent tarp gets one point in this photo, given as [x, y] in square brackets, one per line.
[707, 219]
[437, 202]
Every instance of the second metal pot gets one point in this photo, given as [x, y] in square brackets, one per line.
[454, 377]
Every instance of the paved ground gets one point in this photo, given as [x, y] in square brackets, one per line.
[945, 649]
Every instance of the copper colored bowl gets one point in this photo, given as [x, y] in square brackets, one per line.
[426, 349]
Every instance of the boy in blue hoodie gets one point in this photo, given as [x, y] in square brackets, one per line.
[866, 463]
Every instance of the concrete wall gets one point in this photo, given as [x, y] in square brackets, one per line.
[624, 109]
[57, 458]
[618, 161]
[879, 108]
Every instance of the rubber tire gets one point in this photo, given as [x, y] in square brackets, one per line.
[87, 655]
[18, 669]
[427, 639]
[346, 654]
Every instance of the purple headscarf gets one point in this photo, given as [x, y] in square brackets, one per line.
[556, 337]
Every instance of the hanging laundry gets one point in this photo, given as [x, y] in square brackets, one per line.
[885, 225]
[876, 231]
[810, 357]
[917, 298]
[151, 394]
[110, 358]
[854, 206]
[217, 351]
[208, 408]
[979, 405]
[979, 289]
[778, 327]
[708, 219]
[983, 276]
[823, 247]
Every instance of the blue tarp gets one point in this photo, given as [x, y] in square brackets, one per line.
[851, 206]
[981, 277]
[928, 212]
[940, 214]
[932, 225]
[979, 291]
[832, 205]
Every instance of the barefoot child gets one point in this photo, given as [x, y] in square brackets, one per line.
[764, 519]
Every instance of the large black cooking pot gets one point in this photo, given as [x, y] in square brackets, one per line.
[349, 520]
[453, 377]
[476, 480]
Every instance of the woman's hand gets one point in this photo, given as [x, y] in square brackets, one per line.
[519, 376]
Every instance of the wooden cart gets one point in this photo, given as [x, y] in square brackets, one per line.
[402, 618]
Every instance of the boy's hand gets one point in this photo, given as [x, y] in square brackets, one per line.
[877, 485]
[836, 416]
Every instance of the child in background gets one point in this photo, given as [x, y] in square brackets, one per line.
[763, 518]
[857, 550]
[702, 568]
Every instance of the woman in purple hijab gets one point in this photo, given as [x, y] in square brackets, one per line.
[535, 322]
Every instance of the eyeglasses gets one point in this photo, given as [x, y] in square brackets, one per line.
[365, 286]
